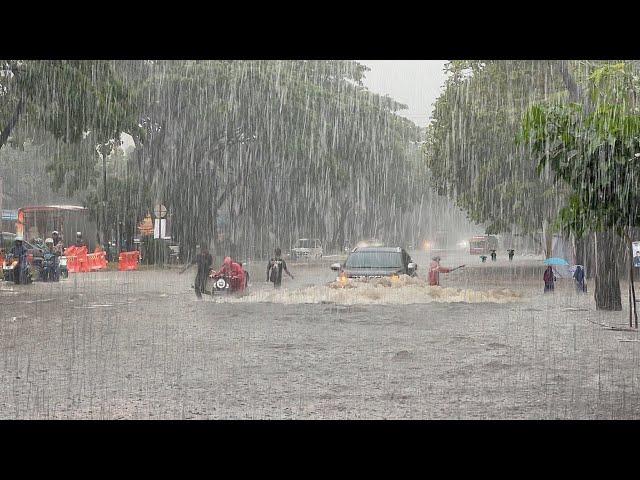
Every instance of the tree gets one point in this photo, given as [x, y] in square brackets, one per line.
[593, 146]
[63, 97]
[471, 151]
[276, 145]
[276, 149]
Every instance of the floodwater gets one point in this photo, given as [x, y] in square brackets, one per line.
[487, 344]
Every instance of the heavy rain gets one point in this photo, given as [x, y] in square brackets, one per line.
[298, 239]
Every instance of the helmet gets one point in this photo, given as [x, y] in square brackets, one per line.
[436, 258]
[19, 238]
[49, 240]
[55, 232]
[227, 260]
[78, 234]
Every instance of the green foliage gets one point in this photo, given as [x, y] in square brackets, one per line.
[272, 134]
[593, 151]
[284, 147]
[472, 153]
[66, 98]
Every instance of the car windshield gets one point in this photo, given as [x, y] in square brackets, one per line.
[374, 260]
[303, 243]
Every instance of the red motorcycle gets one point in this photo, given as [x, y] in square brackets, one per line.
[225, 282]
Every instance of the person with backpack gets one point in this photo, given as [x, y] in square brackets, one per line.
[275, 267]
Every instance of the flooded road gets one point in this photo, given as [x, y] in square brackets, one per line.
[487, 344]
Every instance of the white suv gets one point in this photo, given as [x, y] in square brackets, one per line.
[307, 248]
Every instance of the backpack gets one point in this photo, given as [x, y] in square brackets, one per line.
[273, 271]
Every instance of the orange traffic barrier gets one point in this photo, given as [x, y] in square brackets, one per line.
[103, 260]
[77, 260]
[83, 263]
[97, 261]
[128, 260]
[72, 263]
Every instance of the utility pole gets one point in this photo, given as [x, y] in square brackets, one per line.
[105, 149]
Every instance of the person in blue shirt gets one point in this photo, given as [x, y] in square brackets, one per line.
[578, 276]
[19, 253]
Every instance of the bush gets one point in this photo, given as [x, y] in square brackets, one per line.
[155, 251]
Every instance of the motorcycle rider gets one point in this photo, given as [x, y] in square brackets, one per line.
[18, 252]
[79, 240]
[52, 256]
[58, 246]
[235, 272]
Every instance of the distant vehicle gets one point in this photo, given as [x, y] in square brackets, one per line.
[307, 248]
[376, 262]
[482, 244]
[174, 254]
[39, 221]
[372, 242]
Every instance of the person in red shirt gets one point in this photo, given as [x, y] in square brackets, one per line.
[235, 272]
[435, 269]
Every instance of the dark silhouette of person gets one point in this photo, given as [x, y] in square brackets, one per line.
[549, 280]
[19, 253]
[578, 276]
[203, 260]
[510, 252]
[275, 267]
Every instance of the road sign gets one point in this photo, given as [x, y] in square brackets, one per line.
[160, 211]
[9, 214]
[159, 228]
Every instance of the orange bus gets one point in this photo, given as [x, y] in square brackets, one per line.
[39, 221]
[482, 244]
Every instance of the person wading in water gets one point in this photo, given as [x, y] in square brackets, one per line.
[275, 267]
[435, 269]
[204, 261]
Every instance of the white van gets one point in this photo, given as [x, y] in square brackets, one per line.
[307, 248]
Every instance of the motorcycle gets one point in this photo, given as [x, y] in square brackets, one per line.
[17, 270]
[50, 268]
[225, 283]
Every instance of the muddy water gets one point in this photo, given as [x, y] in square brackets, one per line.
[139, 345]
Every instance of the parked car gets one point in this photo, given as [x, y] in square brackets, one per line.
[376, 262]
[307, 248]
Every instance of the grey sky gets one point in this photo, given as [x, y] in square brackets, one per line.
[416, 83]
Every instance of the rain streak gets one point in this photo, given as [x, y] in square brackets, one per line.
[281, 240]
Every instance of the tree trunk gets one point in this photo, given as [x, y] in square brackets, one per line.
[579, 247]
[607, 282]
[6, 131]
[548, 239]
[338, 236]
[216, 241]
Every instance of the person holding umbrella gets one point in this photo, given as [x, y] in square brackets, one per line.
[549, 276]
[549, 280]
